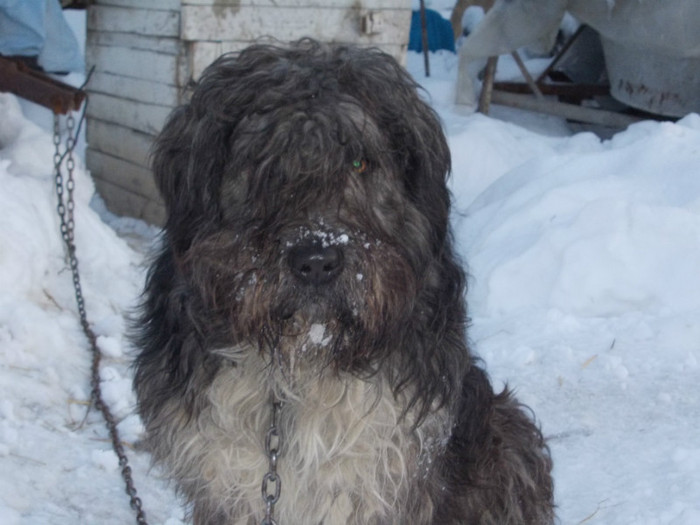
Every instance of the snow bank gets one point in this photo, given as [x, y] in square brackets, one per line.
[48, 451]
[590, 229]
[585, 297]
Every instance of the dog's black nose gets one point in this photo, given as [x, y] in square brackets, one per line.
[316, 264]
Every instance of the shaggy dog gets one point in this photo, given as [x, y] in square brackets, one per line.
[304, 323]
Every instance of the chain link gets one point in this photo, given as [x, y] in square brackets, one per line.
[273, 441]
[65, 208]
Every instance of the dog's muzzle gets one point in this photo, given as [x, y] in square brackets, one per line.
[316, 264]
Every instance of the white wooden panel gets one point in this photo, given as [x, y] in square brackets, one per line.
[167, 45]
[398, 51]
[291, 23]
[121, 201]
[146, 118]
[124, 174]
[135, 63]
[204, 53]
[133, 20]
[134, 89]
[361, 4]
[118, 141]
[173, 5]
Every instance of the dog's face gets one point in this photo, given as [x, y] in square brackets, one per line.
[307, 203]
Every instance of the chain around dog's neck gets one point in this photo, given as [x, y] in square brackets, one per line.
[273, 441]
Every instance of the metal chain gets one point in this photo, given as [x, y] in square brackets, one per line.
[273, 441]
[65, 209]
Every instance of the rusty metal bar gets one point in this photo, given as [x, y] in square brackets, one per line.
[37, 87]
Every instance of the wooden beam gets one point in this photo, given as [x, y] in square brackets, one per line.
[557, 88]
[567, 111]
[487, 86]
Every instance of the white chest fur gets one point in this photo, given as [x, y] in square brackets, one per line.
[347, 455]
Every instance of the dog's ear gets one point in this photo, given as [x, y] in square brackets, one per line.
[426, 160]
[187, 159]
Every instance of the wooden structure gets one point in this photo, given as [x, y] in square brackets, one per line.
[146, 52]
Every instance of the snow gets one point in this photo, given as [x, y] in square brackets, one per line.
[584, 296]
[316, 333]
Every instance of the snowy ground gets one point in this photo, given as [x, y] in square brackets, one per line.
[584, 294]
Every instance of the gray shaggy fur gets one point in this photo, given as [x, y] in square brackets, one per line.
[307, 256]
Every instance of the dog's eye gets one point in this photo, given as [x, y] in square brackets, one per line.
[359, 166]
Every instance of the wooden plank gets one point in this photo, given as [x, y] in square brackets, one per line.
[132, 20]
[398, 51]
[135, 63]
[290, 23]
[124, 174]
[580, 91]
[204, 53]
[147, 118]
[118, 141]
[360, 4]
[568, 111]
[173, 5]
[121, 201]
[134, 89]
[160, 44]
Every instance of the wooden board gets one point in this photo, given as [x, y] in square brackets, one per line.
[136, 63]
[134, 89]
[124, 174]
[173, 5]
[119, 141]
[204, 53]
[200, 23]
[146, 118]
[133, 20]
[160, 44]
[360, 4]
[121, 201]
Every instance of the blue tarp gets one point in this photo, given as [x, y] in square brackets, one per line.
[440, 34]
[37, 28]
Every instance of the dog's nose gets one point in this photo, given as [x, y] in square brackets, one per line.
[316, 264]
